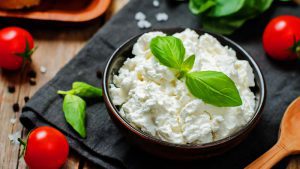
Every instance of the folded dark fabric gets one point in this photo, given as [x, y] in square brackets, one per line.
[105, 145]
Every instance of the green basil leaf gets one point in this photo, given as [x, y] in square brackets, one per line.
[188, 64]
[228, 24]
[252, 8]
[222, 25]
[226, 7]
[226, 16]
[74, 110]
[213, 88]
[168, 50]
[83, 90]
[264, 5]
[258, 6]
[200, 6]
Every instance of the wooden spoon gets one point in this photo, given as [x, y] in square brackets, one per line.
[288, 142]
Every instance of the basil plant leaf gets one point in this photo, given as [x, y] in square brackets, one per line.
[222, 25]
[228, 24]
[168, 50]
[252, 8]
[213, 88]
[83, 90]
[74, 110]
[188, 64]
[200, 6]
[226, 7]
[226, 16]
[264, 5]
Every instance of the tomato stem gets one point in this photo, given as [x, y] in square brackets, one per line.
[296, 47]
[298, 51]
[24, 144]
[21, 142]
[26, 55]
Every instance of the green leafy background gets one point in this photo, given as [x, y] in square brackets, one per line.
[226, 16]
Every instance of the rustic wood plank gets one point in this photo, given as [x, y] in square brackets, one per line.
[55, 49]
[8, 150]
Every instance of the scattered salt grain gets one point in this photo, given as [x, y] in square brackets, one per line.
[143, 24]
[140, 16]
[13, 120]
[43, 69]
[156, 3]
[14, 137]
[160, 17]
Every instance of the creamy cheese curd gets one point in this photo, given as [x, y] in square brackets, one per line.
[152, 99]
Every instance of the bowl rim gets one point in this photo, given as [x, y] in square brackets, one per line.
[251, 123]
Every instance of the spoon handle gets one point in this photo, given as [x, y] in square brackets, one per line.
[270, 158]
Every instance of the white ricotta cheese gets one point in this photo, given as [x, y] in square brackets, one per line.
[155, 101]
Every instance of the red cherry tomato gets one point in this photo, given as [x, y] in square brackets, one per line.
[16, 44]
[47, 148]
[281, 37]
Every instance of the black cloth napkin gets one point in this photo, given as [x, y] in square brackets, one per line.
[106, 146]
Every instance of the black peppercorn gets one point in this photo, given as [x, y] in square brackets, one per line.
[31, 74]
[99, 74]
[16, 107]
[32, 81]
[26, 98]
[11, 89]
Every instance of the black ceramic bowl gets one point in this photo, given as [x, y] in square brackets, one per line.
[178, 151]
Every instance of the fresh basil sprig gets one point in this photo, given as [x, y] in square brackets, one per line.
[74, 106]
[212, 87]
[83, 90]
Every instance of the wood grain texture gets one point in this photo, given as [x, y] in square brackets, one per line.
[56, 46]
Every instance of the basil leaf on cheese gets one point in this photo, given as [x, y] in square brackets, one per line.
[214, 88]
[188, 64]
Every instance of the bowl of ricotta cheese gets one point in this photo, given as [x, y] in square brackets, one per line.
[157, 109]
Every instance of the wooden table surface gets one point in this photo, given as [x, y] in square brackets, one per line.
[55, 48]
